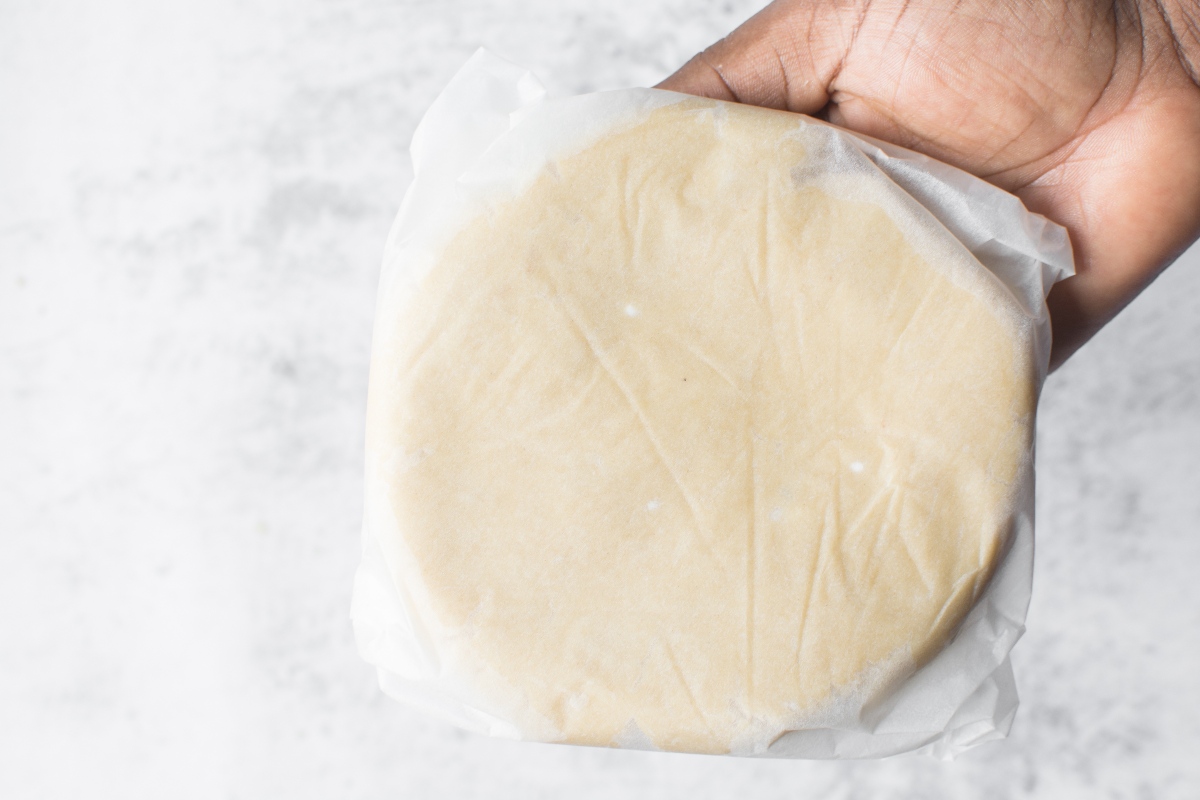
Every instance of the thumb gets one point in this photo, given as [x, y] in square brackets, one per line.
[785, 56]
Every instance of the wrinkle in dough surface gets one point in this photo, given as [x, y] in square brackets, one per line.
[674, 438]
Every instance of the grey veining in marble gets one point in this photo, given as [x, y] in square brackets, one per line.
[193, 201]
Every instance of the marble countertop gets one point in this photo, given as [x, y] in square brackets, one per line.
[193, 203]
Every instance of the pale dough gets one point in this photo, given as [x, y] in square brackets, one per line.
[683, 448]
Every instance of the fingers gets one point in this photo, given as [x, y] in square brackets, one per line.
[786, 56]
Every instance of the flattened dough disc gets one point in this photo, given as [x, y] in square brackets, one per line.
[686, 450]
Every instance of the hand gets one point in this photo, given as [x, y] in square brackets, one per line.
[1088, 111]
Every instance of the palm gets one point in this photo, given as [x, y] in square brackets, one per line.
[1092, 119]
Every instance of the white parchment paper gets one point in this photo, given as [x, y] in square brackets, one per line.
[488, 135]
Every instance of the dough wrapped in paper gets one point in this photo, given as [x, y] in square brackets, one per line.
[691, 429]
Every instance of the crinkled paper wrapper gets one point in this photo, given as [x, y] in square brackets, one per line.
[486, 137]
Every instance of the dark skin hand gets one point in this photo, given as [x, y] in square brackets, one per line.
[1088, 111]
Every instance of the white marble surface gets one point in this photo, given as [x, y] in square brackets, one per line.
[193, 201]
